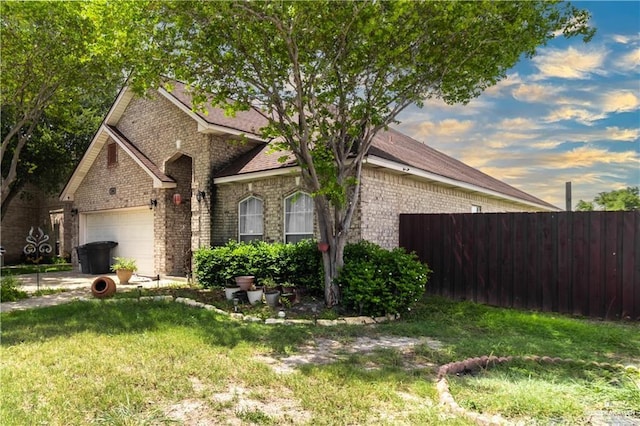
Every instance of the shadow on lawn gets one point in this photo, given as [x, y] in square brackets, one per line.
[136, 317]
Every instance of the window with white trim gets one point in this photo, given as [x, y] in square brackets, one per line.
[250, 214]
[298, 217]
[476, 209]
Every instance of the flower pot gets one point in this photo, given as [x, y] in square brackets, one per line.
[245, 281]
[124, 275]
[272, 297]
[254, 296]
[103, 287]
[290, 297]
[228, 292]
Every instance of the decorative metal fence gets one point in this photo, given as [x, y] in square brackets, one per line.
[584, 263]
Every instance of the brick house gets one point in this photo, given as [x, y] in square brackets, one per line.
[163, 180]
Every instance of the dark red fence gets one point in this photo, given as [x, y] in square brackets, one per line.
[585, 263]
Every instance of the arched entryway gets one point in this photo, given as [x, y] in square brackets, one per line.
[177, 219]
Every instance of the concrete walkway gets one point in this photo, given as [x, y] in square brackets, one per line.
[77, 286]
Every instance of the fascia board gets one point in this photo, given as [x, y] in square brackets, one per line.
[257, 175]
[432, 177]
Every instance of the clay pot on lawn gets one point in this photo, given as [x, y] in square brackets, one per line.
[103, 287]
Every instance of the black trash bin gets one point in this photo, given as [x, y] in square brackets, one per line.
[83, 258]
[98, 256]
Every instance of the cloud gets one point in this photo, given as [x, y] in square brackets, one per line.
[570, 63]
[625, 135]
[631, 60]
[620, 101]
[533, 92]
[625, 39]
[582, 116]
[587, 156]
[445, 128]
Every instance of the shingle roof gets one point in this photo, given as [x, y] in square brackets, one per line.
[135, 152]
[398, 147]
[249, 121]
[394, 146]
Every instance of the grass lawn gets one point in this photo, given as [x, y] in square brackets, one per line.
[133, 363]
[32, 269]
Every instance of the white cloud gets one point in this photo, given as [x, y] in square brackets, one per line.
[620, 101]
[618, 134]
[533, 92]
[588, 156]
[631, 60]
[570, 63]
[582, 116]
[448, 128]
[625, 39]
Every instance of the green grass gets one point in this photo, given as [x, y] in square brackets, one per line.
[135, 363]
[567, 393]
[32, 269]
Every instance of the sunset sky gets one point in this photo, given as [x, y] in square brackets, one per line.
[572, 113]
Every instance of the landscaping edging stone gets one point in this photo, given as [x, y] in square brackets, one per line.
[360, 320]
[470, 365]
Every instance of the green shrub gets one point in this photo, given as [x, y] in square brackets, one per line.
[9, 291]
[375, 281]
[300, 263]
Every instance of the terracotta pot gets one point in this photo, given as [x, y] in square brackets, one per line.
[103, 287]
[254, 296]
[228, 292]
[124, 275]
[245, 281]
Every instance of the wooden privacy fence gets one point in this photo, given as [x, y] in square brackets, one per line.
[585, 263]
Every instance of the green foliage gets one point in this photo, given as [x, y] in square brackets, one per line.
[124, 263]
[331, 76]
[9, 291]
[626, 199]
[375, 281]
[298, 263]
[63, 63]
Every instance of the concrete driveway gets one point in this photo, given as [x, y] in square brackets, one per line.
[77, 286]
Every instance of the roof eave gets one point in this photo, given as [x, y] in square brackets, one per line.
[432, 177]
[263, 174]
[206, 127]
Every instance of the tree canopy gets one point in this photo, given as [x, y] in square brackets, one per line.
[330, 75]
[62, 64]
[620, 199]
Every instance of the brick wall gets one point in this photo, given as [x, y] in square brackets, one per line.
[385, 195]
[169, 138]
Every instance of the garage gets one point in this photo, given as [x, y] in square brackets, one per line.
[132, 229]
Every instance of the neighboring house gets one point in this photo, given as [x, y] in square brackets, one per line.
[31, 207]
[163, 180]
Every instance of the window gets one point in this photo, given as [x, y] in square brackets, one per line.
[251, 218]
[298, 218]
[476, 209]
[112, 155]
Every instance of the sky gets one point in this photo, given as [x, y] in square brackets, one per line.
[569, 114]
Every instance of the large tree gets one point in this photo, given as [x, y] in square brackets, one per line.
[330, 75]
[62, 64]
[619, 199]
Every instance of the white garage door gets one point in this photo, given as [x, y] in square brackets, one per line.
[131, 229]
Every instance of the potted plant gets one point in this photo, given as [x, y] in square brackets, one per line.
[271, 291]
[245, 281]
[254, 294]
[124, 268]
[230, 289]
[289, 292]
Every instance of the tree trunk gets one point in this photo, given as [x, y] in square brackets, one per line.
[333, 262]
